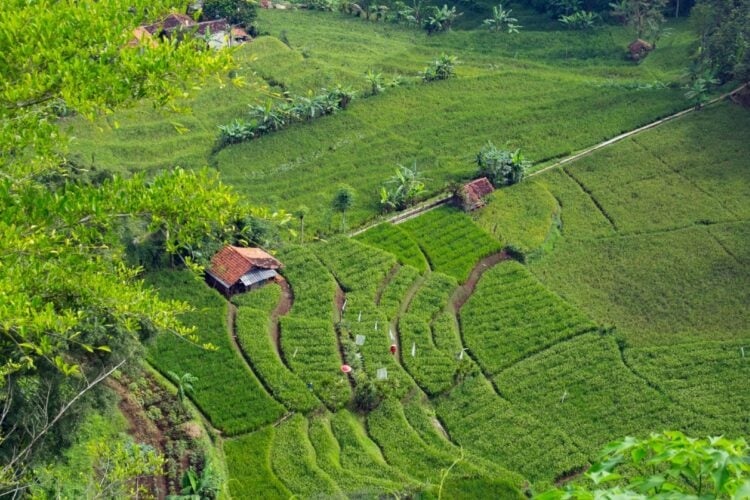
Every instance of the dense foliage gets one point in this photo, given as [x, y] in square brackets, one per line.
[72, 309]
[501, 167]
[272, 116]
[235, 11]
[677, 465]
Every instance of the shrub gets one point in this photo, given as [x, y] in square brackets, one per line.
[235, 11]
[501, 167]
[442, 68]
[375, 80]
[441, 19]
[501, 20]
[580, 20]
[402, 190]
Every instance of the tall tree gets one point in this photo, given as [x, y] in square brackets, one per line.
[723, 27]
[644, 16]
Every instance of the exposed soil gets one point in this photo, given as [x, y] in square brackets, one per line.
[282, 309]
[439, 427]
[142, 430]
[462, 293]
[340, 300]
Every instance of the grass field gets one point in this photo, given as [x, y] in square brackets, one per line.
[525, 86]
[665, 271]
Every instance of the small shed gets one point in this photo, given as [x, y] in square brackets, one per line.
[639, 49]
[472, 194]
[236, 270]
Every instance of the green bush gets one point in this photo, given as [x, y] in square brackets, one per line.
[501, 167]
[442, 68]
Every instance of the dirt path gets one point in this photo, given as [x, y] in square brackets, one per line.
[282, 309]
[340, 300]
[463, 292]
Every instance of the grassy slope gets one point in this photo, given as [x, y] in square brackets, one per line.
[673, 266]
[518, 90]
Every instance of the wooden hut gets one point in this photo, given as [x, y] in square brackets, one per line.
[639, 49]
[236, 269]
[472, 195]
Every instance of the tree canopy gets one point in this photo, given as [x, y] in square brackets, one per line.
[72, 308]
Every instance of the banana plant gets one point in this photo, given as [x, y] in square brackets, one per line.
[501, 20]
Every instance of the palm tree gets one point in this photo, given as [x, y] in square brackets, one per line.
[501, 20]
[184, 384]
[343, 201]
[301, 213]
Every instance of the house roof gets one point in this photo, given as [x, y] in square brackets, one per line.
[479, 188]
[141, 35]
[212, 26]
[170, 23]
[475, 191]
[257, 276]
[232, 263]
[239, 33]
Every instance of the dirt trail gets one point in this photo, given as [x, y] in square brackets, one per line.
[340, 300]
[282, 309]
[463, 292]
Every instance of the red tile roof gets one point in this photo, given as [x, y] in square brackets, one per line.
[213, 26]
[231, 263]
[476, 190]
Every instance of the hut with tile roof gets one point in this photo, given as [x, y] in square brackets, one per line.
[236, 270]
[471, 195]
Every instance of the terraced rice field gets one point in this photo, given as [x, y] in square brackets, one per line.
[629, 314]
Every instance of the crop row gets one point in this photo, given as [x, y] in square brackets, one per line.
[313, 286]
[249, 464]
[293, 461]
[226, 390]
[485, 424]
[582, 386]
[708, 377]
[433, 369]
[252, 332]
[452, 242]
[511, 315]
[395, 291]
[354, 483]
[356, 266]
[395, 240]
[311, 349]
[404, 449]
[364, 319]
[263, 299]
[358, 452]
